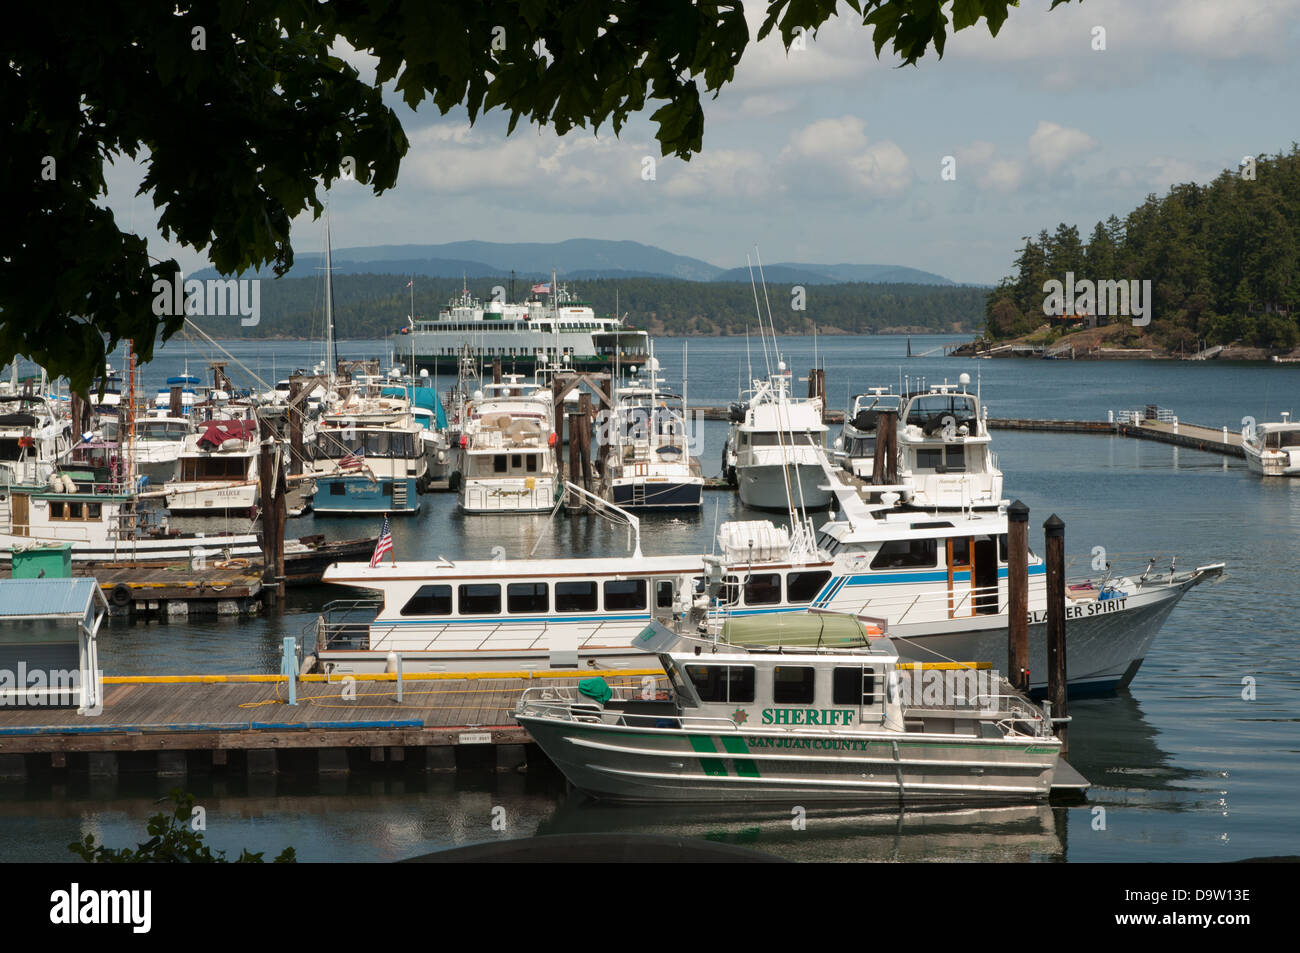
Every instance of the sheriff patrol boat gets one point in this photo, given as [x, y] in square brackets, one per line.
[816, 721]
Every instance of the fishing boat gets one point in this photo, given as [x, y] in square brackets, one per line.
[1273, 449]
[159, 441]
[771, 721]
[645, 458]
[507, 449]
[775, 447]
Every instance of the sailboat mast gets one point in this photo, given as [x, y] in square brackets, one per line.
[331, 363]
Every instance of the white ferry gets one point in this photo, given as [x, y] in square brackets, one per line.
[771, 722]
[506, 460]
[557, 330]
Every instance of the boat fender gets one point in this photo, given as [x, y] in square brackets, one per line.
[453, 481]
[120, 595]
[442, 456]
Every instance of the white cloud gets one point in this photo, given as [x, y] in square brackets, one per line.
[841, 145]
[717, 173]
[1052, 145]
[1002, 175]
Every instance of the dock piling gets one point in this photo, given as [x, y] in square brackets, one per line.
[1054, 531]
[1018, 595]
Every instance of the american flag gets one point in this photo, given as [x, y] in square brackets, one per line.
[354, 459]
[542, 289]
[385, 545]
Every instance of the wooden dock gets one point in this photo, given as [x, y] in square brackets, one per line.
[177, 589]
[172, 725]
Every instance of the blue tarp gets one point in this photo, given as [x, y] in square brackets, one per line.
[423, 397]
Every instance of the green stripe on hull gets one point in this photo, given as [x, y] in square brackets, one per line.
[745, 767]
[713, 767]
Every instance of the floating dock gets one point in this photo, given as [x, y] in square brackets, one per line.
[1171, 431]
[174, 725]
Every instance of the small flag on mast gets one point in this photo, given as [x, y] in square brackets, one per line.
[385, 545]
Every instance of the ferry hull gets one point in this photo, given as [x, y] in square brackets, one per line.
[360, 494]
[764, 487]
[659, 764]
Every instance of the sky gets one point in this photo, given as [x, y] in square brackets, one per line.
[829, 155]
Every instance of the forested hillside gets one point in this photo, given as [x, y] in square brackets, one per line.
[377, 305]
[1222, 260]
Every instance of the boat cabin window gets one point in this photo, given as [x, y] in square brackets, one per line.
[1002, 548]
[531, 462]
[853, 686]
[804, 586]
[527, 597]
[480, 598]
[906, 554]
[664, 594]
[951, 459]
[575, 597]
[787, 439]
[429, 600]
[792, 684]
[60, 510]
[499, 463]
[197, 469]
[625, 595]
[1282, 438]
[763, 589]
[722, 683]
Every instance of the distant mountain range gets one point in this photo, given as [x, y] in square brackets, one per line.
[578, 258]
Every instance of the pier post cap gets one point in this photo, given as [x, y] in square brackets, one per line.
[1017, 512]
[1053, 526]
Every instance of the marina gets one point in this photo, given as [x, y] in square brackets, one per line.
[322, 743]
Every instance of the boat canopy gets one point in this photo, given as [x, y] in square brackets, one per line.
[797, 629]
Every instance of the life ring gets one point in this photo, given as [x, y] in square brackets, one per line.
[121, 595]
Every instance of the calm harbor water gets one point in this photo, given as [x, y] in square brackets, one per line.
[1183, 766]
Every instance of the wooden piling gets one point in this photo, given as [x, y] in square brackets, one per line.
[884, 471]
[584, 438]
[1054, 531]
[175, 405]
[295, 427]
[1018, 595]
[817, 387]
[496, 370]
[272, 489]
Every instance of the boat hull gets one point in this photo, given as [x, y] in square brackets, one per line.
[507, 496]
[764, 487]
[667, 764]
[1105, 645]
[360, 494]
[653, 495]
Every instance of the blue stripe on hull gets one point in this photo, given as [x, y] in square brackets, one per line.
[360, 495]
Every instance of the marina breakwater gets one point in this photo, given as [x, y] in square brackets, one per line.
[1162, 427]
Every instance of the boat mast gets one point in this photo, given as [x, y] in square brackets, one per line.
[331, 363]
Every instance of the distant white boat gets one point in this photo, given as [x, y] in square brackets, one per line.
[1273, 449]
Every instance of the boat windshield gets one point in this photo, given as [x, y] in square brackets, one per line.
[1278, 439]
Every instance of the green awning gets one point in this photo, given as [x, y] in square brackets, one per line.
[795, 629]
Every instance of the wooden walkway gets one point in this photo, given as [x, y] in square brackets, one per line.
[251, 712]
